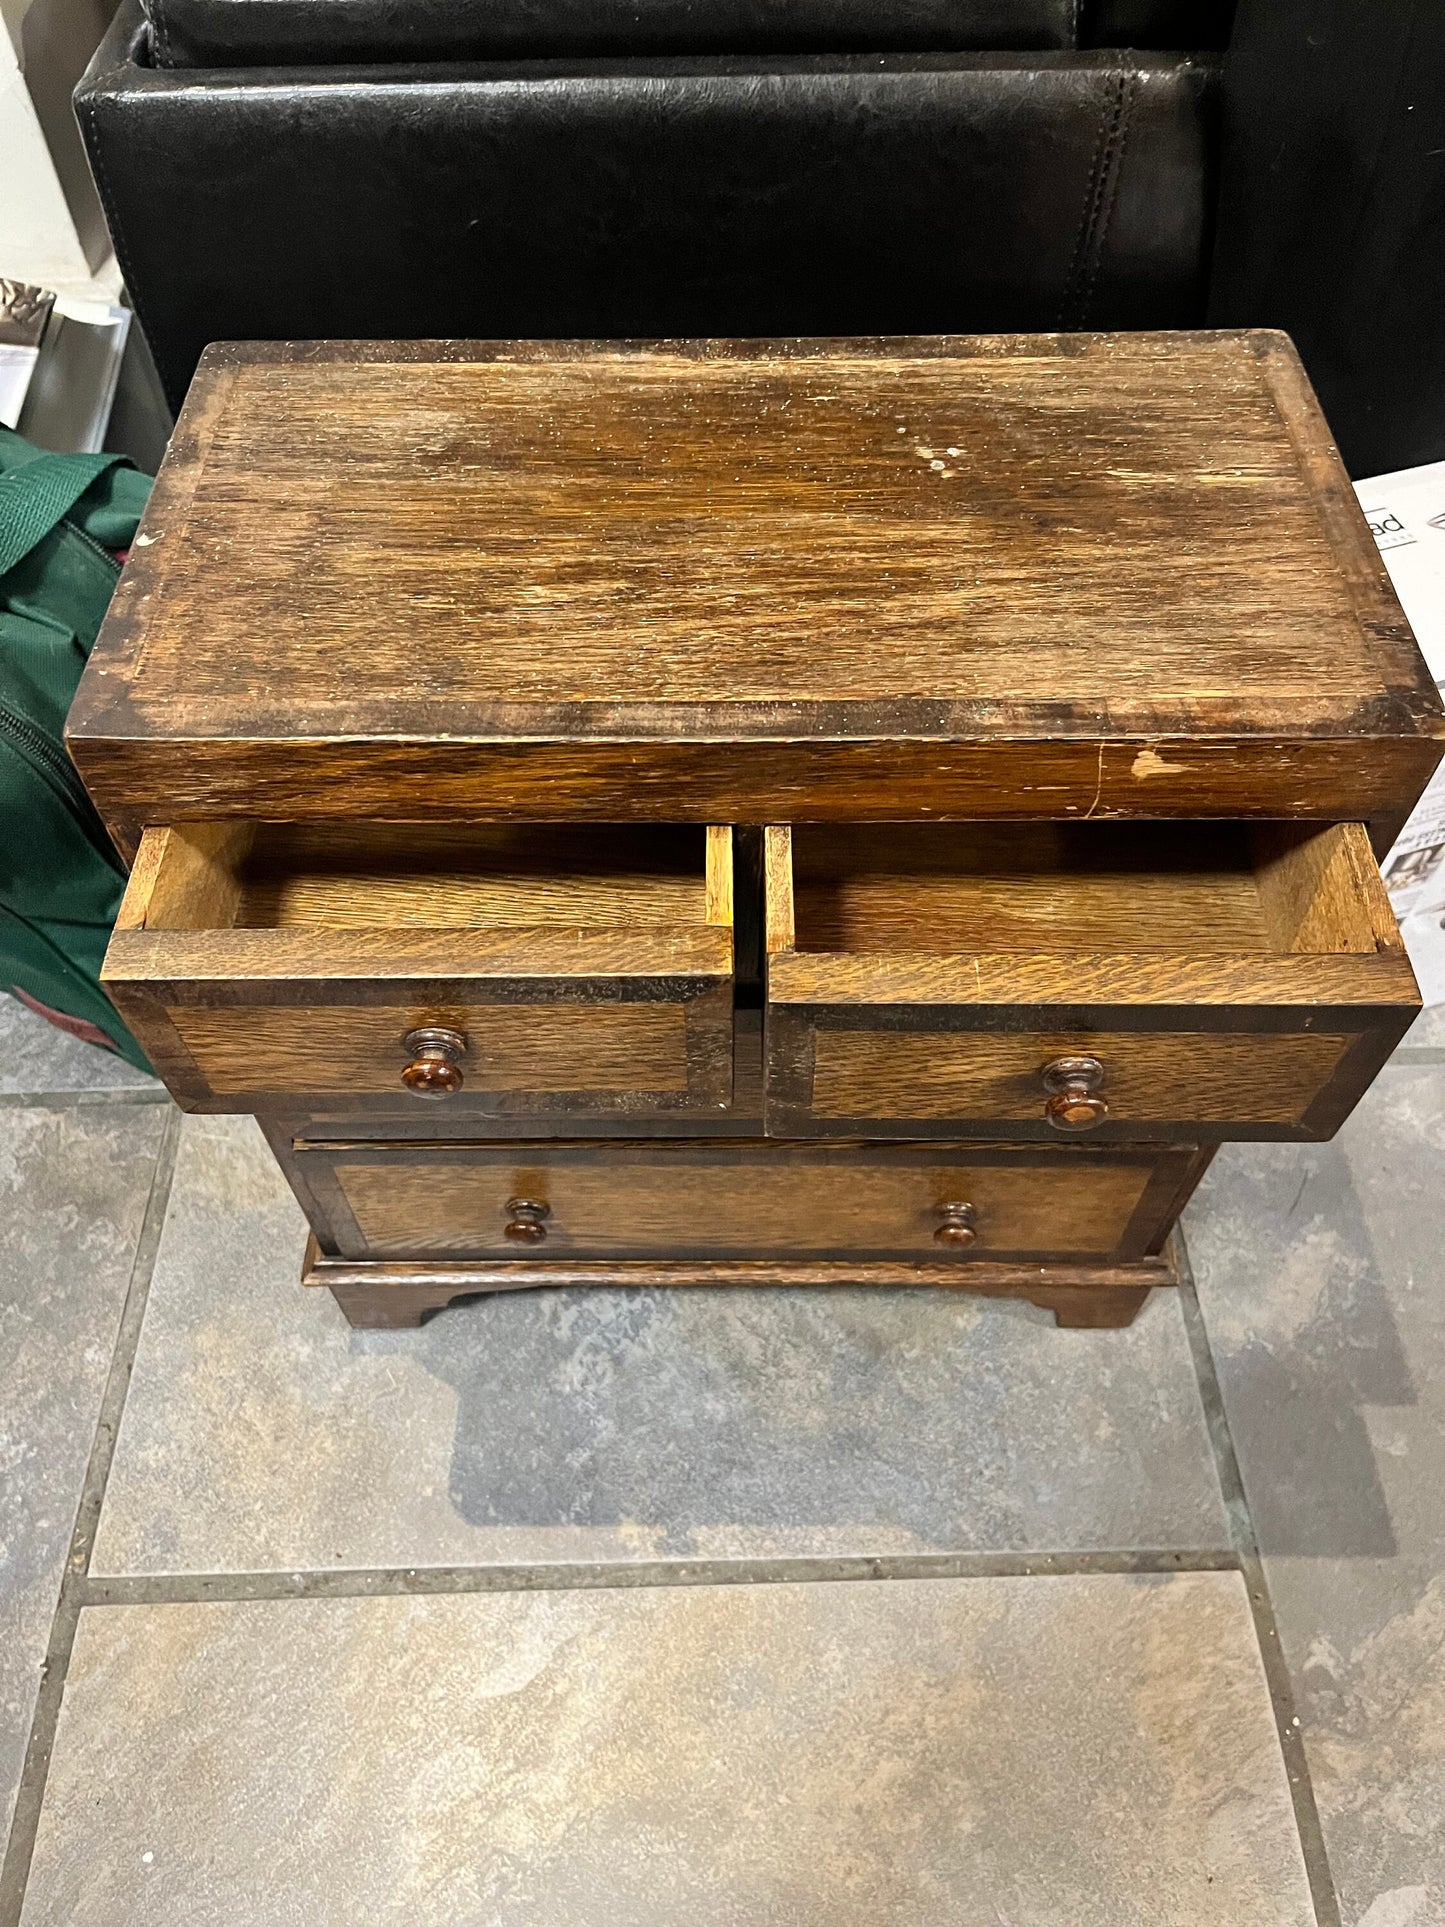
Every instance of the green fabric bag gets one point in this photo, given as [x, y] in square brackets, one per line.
[60, 878]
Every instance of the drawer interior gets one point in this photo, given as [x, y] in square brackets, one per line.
[1198, 888]
[278, 876]
[547, 966]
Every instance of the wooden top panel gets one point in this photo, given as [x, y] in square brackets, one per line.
[1060, 540]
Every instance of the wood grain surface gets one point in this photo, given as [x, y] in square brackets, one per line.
[273, 963]
[1197, 888]
[412, 632]
[1214, 1077]
[1374, 779]
[1144, 981]
[339, 959]
[391, 1295]
[1234, 980]
[454, 876]
[357, 1048]
[1073, 913]
[650, 579]
[761, 1200]
[269, 876]
[338, 1119]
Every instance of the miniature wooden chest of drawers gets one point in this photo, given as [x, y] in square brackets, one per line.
[801, 812]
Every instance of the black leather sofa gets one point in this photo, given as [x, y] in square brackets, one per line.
[287, 168]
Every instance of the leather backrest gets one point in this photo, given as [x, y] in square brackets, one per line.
[892, 194]
[266, 33]
[1332, 212]
[1192, 24]
[215, 33]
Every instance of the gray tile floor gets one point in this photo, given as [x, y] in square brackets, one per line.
[739, 1608]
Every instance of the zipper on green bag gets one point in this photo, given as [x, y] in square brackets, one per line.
[90, 542]
[37, 747]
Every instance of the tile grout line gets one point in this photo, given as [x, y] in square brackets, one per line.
[380, 1582]
[15, 1868]
[1251, 1566]
[125, 1095]
[80, 1590]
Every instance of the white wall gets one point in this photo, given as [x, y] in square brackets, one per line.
[52, 232]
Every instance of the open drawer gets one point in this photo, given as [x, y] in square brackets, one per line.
[496, 969]
[1133, 980]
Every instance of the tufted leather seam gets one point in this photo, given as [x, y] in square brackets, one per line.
[1090, 209]
[1113, 170]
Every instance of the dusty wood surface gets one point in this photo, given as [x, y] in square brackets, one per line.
[1098, 575]
[408, 626]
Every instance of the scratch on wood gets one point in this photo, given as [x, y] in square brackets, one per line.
[1098, 786]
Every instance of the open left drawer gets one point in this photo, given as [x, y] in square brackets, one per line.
[392, 966]
[1191, 980]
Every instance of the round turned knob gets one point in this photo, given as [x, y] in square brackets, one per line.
[1073, 1086]
[957, 1226]
[524, 1224]
[433, 1070]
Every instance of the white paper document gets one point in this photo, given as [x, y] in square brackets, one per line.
[1406, 514]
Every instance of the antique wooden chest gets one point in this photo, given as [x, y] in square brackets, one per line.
[757, 812]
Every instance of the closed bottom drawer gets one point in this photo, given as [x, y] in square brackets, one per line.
[759, 1199]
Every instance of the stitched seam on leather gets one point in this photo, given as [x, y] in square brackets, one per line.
[1113, 171]
[108, 208]
[160, 26]
[1090, 214]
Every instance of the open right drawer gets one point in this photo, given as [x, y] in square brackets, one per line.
[1192, 980]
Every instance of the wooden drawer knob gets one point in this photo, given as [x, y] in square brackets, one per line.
[957, 1226]
[1073, 1084]
[525, 1224]
[433, 1070]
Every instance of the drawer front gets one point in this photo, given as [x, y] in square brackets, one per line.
[1164, 1081]
[534, 1058]
[479, 973]
[1237, 1035]
[759, 1200]
[548, 1049]
[528, 1058]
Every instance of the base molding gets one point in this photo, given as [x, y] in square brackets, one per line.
[388, 1295]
